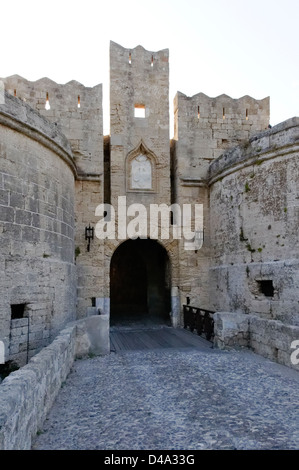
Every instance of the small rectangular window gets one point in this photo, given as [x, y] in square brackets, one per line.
[139, 111]
[47, 106]
[17, 311]
[266, 288]
[171, 218]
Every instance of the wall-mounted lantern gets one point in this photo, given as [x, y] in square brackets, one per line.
[89, 234]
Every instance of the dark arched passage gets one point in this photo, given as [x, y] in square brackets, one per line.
[140, 283]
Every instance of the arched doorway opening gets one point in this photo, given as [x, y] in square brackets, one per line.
[140, 283]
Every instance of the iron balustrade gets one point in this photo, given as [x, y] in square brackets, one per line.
[200, 320]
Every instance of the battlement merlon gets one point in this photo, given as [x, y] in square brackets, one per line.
[138, 76]
[139, 80]
[139, 56]
[202, 111]
[205, 127]
[76, 110]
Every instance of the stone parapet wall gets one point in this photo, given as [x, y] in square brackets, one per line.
[263, 145]
[231, 330]
[27, 395]
[273, 339]
[269, 338]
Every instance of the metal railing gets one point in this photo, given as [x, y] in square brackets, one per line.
[200, 320]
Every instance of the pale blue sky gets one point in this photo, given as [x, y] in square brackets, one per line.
[235, 47]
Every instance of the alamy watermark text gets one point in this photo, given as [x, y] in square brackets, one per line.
[160, 221]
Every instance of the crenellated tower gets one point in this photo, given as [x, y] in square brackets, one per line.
[139, 107]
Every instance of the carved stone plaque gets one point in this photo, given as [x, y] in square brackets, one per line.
[141, 173]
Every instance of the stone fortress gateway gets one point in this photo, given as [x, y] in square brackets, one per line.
[57, 167]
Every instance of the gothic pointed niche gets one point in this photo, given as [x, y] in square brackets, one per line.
[141, 170]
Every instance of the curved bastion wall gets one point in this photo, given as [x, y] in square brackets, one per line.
[254, 214]
[77, 112]
[38, 275]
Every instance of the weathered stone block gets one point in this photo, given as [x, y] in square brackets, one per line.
[231, 329]
[19, 322]
[7, 214]
[93, 336]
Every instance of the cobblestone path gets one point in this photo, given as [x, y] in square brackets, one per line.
[176, 398]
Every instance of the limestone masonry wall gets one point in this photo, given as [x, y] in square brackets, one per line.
[38, 275]
[205, 127]
[273, 339]
[139, 113]
[54, 173]
[139, 78]
[83, 126]
[90, 276]
[254, 226]
[77, 111]
[27, 395]
[269, 338]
